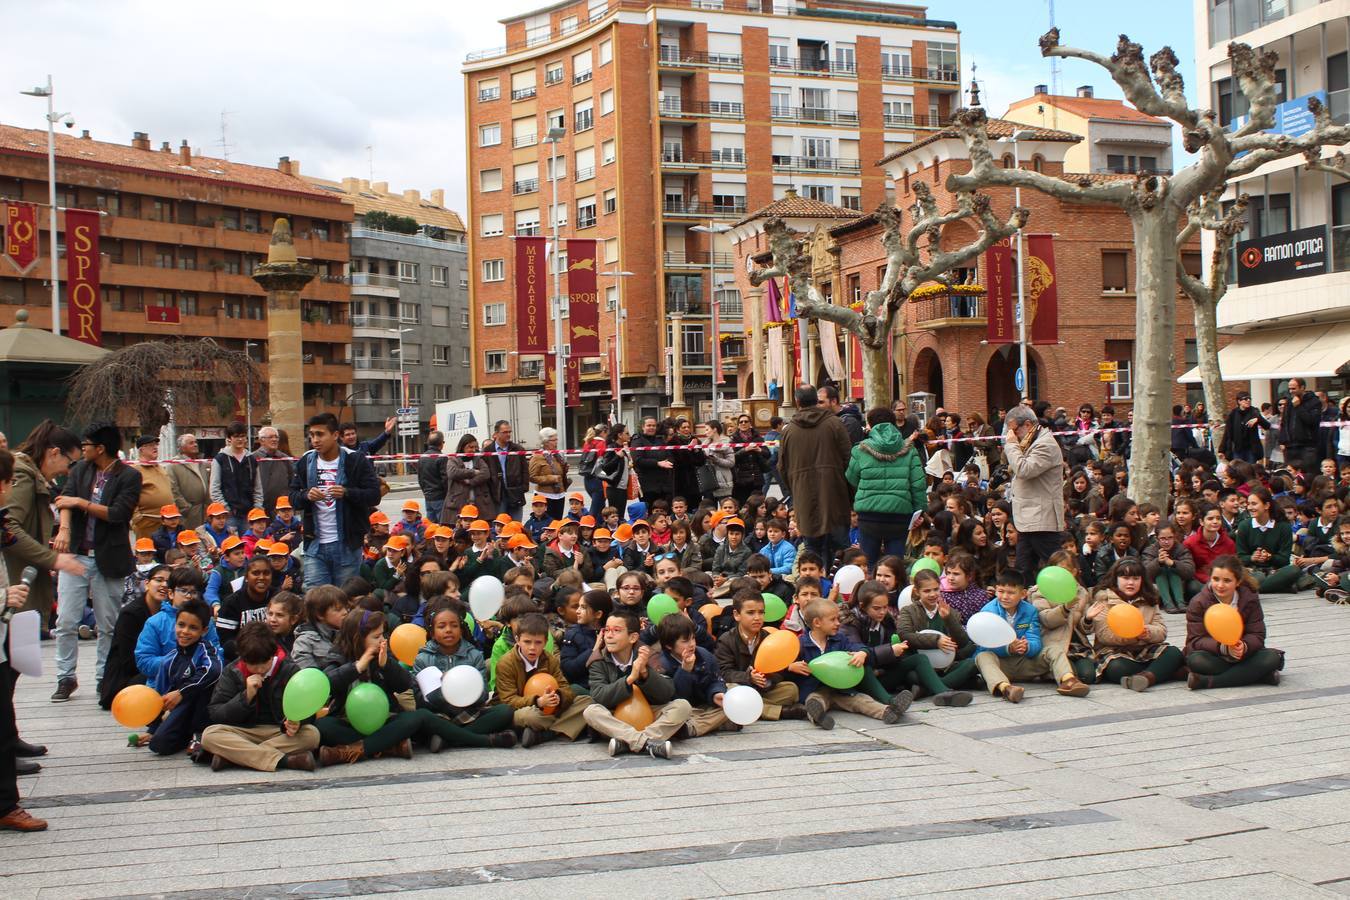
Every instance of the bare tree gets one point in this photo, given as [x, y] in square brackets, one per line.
[913, 258]
[136, 384]
[1157, 206]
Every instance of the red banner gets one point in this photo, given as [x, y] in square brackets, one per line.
[855, 374]
[572, 380]
[999, 284]
[583, 310]
[1042, 294]
[21, 235]
[162, 315]
[531, 288]
[83, 298]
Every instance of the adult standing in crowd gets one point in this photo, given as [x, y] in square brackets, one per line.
[721, 462]
[548, 470]
[334, 489]
[276, 474]
[812, 458]
[1242, 431]
[235, 480]
[1036, 465]
[1300, 424]
[849, 415]
[431, 473]
[887, 474]
[510, 475]
[1326, 431]
[351, 441]
[687, 462]
[655, 468]
[593, 449]
[615, 468]
[752, 463]
[95, 507]
[156, 493]
[190, 482]
[468, 481]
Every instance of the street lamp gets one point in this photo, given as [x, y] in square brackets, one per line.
[1023, 135]
[248, 395]
[713, 228]
[619, 315]
[52, 118]
[554, 135]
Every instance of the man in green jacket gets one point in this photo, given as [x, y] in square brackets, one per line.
[887, 474]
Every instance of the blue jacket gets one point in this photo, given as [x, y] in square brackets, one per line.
[577, 643]
[781, 556]
[157, 640]
[840, 641]
[1026, 622]
[219, 583]
[534, 526]
[192, 673]
[165, 540]
[699, 686]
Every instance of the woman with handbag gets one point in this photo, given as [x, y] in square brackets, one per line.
[592, 449]
[615, 471]
[687, 462]
[716, 477]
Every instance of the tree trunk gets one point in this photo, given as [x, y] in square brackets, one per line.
[1207, 349]
[876, 376]
[1155, 232]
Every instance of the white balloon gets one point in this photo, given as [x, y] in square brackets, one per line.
[743, 704]
[906, 595]
[990, 630]
[485, 596]
[940, 659]
[848, 577]
[462, 686]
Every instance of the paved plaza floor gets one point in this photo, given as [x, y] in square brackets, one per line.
[1172, 793]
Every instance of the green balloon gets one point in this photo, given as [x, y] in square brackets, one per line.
[832, 670]
[775, 610]
[660, 606]
[1057, 584]
[367, 707]
[305, 694]
[925, 565]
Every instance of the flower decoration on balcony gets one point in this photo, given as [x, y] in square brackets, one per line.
[937, 289]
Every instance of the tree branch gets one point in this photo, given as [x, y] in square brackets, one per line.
[1335, 166]
[940, 262]
[1127, 69]
[1266, 148]
[1255, 74]
[789, 259]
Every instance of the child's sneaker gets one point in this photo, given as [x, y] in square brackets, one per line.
[86, 633]
[435, 744]
[502, 739]
[659, 749]
[896, 708]
[952, 698]
[818, 713]
[617, 747]
[1338, 596]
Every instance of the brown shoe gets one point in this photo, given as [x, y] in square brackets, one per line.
[1072, 687]
[343, 753]
[18, 819]
[402, 750]
[1012, 692]
[301, 759]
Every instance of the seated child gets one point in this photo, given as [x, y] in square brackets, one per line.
[478, 725]
[581, 643]
[897, 664]
[285, 528]
[1024, 659]
[286, 569]
[1168, 564]
[250, 729]
[216, 528]
[284, 611]
[779, 551]
[735, 656]
[926, 613]
[229, 569]
[810, 565]
[681, 590]
[157, 637]
[248, 604]
[698, 681]
[375, 540]
[412, 524]
[516, 604]
[640, 554]
[193, 550]
[165, 537]
[1137, 663]
[185, 679]
[563, 606]
[962, 591]
[258, 523]
[823, 636]
[808, 588]
[631, 594]
[622, 667]
[325, 608]
[761, 570]
[1063, 625]
[120, 670]
[1249, 661]
[391, 566]
[546, 716]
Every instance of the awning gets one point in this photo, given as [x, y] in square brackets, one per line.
[1308, 351]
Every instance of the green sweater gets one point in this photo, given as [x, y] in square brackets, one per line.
[1278, 540]
[887, 473]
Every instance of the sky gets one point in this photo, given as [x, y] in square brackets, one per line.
[353, 89]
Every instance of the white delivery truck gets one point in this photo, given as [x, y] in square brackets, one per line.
[476, 416]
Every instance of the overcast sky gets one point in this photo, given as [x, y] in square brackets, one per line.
[322, 81]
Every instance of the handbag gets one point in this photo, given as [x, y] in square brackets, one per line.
[707, 479]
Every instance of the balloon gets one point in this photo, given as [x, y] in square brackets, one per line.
[1126, 621]
[990, 630]
[406, 640]
[462, 686]
[743, 704]
[847, 578]
[636, 711]
[137, 705]
[1057, 584]
[775, 610]
[485, 596]
[710, 611]
[906, 595]
[925, 565]
[833, 670]
[305, 694]
[1224, 623]
[537, 685]
[659, 607]
[367, 707]
[776, 652]
[940, 659]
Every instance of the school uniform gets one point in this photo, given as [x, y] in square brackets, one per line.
[609, 687]
[460, 726]
[849, 700]
[250, 733]
[1212, 662]
[914, 618]
[1119, 657]
[1276, 575]
[997, 665]
[735, 658]
[699, 688]
[512, 673]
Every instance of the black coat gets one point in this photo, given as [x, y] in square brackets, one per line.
[229, 705]
[431, 476]
[1238, 437]
[687, 463]
[120, 669]
[511, 487]
[655, 480]
[1300, 426]
[362, 495]
[121, 494]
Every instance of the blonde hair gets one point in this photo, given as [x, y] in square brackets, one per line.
[817, 609]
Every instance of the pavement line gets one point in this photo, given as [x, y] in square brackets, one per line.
[632, 761]
[1139, 715]
[650, 859]
[1262, 793]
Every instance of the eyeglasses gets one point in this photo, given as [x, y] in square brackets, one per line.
[614, 629]
[187, 591]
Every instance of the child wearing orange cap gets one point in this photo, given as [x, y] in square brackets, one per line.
[388, 571]
[216, 528]
[576, 506]
[285, 527]
[228, 574]
[640, 555]
[286, 569]
[538, 519]
[375, 538]
[194, 548]
[165, 537]
[412, 523]
[258, 523]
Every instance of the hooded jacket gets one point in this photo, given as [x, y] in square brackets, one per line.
[887, 474]
[431, 656]
[157, 639]
[813, 455]
[356, 474]
[852, 419]
[313, 643]
[230, 704]
[192, 673]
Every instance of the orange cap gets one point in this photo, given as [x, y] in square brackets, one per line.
[588, 521]
[559, 523]
[642, 523]
[145, 545]
[716, 518]
[217, 509]
[256, 514]
[284, 503]
[411, 506]
[468, 511]
[578, 496]
[169, 511]
[261, 547]
[399, 542]
[230, 543]
[520, 540]
[538, 498]
[734, 521]
[503, 518]
[479, 525]
[186, 538]
[602, 534]
[624, 532]
[279, 548]
[378, 518]
[511, 528]
[440, 531]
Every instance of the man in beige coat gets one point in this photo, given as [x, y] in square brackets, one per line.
[1036, 465]
[190, 481]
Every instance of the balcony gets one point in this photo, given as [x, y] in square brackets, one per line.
[528, 186]
[950, 311]
[586, 174]
[695, 360]
[684, 303]
[911, 121]
[731, 308]
[695, 259]
[527, 231]
[817, 115]
[906, 73]
[369, 283]
[673, 58]
[489, 94]
[416, 240]
[378, 323]
[677, 158]
[828, 165]
[374, 364]
[524, 140]
[679, 108]
[821, 67]
[693, 209]
[553, 77]
[581, 77]
[522, 93]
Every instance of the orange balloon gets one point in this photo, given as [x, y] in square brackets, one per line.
[137, 705]
[710, 611]
[1126, 621]
[777, 651]
[636, 711]
[769, 629]
[406, 640]
[537, 685]
[1224, 623]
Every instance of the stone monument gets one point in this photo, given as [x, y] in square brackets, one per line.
[283, 276]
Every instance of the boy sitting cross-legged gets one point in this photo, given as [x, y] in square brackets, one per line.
[822, 636]
[736, 659]
[623, 666]
[1025, 659]
[697, 678]
[251, 730]
[515, 667]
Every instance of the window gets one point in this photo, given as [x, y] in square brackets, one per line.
[464, 320]
[527, 222]
[440, 393]
[489, 89]
[553, 73]
[1114, 267]
[895, 62]
[522, 85]
[581, 67]
[898, 112]
[494, 361]
[844, 58]
[606, 152]
[490, 180]
[779, 53]
[410, 313]
[560, 262]
[585, 163]
[464, 357]
[525, 178]
[821, 192]
[440, 316]
[567, 25]
[440, 355]
[523, 132]
[1122, 354]
[412, 354]
[727, 202]
[491, 225]
[606, 52]
[463, 278]
[584, 115]
[611, 200]
[780, 101]
[611, 298]
[562, 167]
[555, 118]
[489, 135]
[606, 102]
[559, 216]
[407, 271]
[942, 57]
[850, 198]
[440, 276]
[494, 270]
[612, 250]
[586, 212]
[494, 313]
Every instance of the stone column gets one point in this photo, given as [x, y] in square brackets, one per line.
[677, 361]
[757, 344]
[283, 276]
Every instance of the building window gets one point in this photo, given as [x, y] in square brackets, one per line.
[440, 316]
[412, 354]
[464, 320]
[440, 393]
[527, 222]
[1115, 265]
[606, 52]
[440, 276]
[494, 313]
[464, 278]
[491, 225]
[553, 73]
[494, 270]
[490, 180]
[611, 298]
[1122, 354]
[586, 212]
[611, 201]
[489, 135]
[494, 361]
[440, 355]
[584, 116]
[410, 313]
[464, 356]
[606, 102]
[555, 118]
[489, 89]
[407, 271]
[561, 167]
[606, 152]
[821, 192]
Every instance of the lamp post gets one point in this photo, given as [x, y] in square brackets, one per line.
[619, 315]
[248, 396]
[555, 134]
[1021, 288]
[713, 228]
[52, 118]
[402, 382]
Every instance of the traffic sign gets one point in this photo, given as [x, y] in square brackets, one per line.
[409, 411]
[1106, 376]
[1019, 380]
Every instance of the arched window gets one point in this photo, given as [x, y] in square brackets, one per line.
[937, 170]
[906, 181]
[1007, 161]
[1038, 163]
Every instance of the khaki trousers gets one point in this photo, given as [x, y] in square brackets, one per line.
[1050, 663]
[569, 723]
[670, 718]
[782, 694]
[861, 704]
[260, 747]
[706, 719]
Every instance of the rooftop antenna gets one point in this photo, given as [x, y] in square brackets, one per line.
[1054, 74]
[224, 142]
[370, 161]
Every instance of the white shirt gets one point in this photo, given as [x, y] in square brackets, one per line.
[325, 511]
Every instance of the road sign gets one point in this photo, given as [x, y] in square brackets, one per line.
[409, 411]
[1106, 366]
[1106, 371]
[1019, 380]
[1105, 376]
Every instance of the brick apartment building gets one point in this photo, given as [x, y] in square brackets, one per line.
[676, 114]
[186, 231]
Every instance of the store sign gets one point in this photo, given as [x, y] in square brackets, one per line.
[1279, 257]
[1292, 117]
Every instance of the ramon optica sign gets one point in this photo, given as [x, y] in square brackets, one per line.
[1278, 257]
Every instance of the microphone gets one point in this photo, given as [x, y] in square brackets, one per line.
[26, 578]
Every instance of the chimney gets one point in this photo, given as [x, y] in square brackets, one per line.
[284, 165]
[295, 167]
[365, 184]
[412, 196]
[84, 135]
[140, 140]
[1085, 90]
[185, 153]
[351, 185]
[380, 187]
[438, 197]
[165, 148]
[1040, 89]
